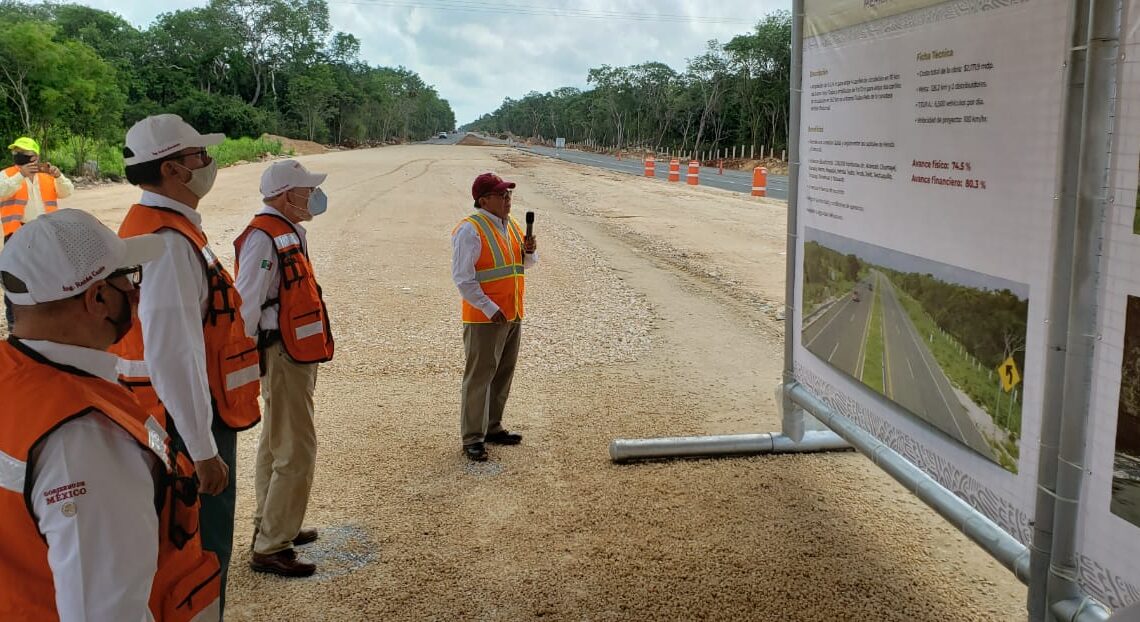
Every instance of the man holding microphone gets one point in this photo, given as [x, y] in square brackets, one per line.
[488, 261]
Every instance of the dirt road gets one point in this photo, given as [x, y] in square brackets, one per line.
[654, 311]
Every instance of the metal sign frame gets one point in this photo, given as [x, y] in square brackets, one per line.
[1049, 564]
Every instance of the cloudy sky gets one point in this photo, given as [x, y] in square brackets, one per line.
[477, 52]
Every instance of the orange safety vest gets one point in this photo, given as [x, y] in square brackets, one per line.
[232, 363]
[499, 269]
[44, 396]
[12, 208]
[302, 317]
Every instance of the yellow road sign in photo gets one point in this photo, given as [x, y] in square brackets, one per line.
[1010, 378]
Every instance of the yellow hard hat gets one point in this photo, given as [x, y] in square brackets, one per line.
[25, 143]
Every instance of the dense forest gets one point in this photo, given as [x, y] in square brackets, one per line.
[990, 324]
[77, 76]
[731, 94]
[827, 273]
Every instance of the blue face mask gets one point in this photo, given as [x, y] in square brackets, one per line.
[318, 202]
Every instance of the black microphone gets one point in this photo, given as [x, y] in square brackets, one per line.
[529, 226]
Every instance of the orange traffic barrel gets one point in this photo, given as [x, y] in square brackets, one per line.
[694, 173]
[650, 166]
[674, 170]
[759, 182]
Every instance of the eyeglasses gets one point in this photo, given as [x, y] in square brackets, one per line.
[133, 275]
[506, 194]
[201, 153]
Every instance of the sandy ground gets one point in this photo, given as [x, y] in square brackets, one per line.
[654, 311]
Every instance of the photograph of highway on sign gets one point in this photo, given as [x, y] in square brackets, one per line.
[1126, 461]
[944, 343]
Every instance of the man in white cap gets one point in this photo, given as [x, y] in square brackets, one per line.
[282, 305]
[80, 461]
[189, 355]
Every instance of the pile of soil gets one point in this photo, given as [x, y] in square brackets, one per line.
[472, 140]
[299, 147]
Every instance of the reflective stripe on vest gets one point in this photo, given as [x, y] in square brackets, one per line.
[283, 242]
[12, 473]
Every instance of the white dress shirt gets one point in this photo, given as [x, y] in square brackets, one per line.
[259, 277]
[466, 246]
[173, 300]
[103, 535]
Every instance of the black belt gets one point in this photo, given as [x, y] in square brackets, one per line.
[266, 338]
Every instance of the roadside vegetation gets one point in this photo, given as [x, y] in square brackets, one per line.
[827, 275]
[873, 348]
[731, 94]
[76, 77]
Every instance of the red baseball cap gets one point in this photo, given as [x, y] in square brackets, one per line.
[487, 183]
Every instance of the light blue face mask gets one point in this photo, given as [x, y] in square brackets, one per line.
[318, 202]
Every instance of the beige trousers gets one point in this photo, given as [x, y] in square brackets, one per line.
[492, 351]
[286, 452]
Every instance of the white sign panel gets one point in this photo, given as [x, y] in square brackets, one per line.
[929, 149]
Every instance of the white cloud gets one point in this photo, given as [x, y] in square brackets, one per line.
[477, 58]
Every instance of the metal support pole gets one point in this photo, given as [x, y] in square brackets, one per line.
[793, 417]
[972, 523]
[1097, 110]
[629, 450]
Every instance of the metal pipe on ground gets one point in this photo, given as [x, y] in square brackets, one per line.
[630, 450]
[976, 526]
[1079, 610]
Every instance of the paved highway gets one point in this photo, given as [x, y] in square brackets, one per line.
[914, 378]
[839, 336]
[739, 181]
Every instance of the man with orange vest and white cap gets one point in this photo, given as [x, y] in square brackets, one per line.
[98, 516]
[282, 305]
[188, 356]
[489, 255]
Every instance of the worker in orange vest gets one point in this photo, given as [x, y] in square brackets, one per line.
[99, 516]
[489, 256]
[283, 307]
[28, 188]
[188, 355]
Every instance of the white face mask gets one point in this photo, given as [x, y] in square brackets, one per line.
[202, 179]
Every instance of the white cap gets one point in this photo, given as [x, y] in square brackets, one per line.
[286, 175]
[61, 254]
[161, 135]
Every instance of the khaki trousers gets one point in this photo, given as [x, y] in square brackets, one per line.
[287, 451]
[492, 351]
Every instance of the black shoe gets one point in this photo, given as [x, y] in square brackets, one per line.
[476, 452]
[305, 536]
[284, 563]
[503, 438]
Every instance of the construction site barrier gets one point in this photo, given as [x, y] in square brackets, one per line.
[759, 182]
